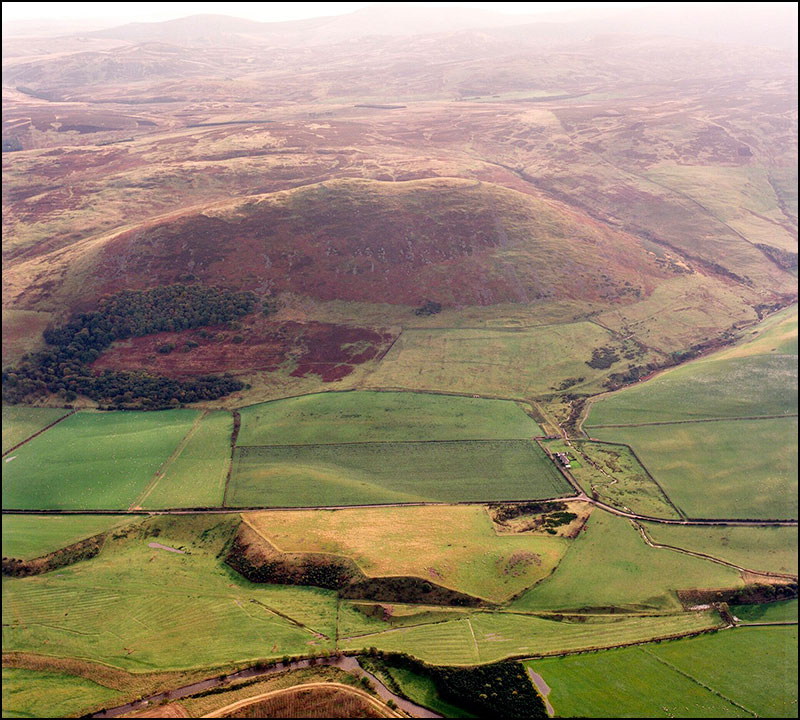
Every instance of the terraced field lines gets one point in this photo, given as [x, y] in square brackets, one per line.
[138, 502]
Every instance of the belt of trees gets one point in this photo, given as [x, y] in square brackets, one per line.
[63, 367]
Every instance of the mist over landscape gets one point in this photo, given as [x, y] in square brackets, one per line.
[400, 360]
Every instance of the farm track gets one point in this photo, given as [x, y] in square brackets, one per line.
[377, 705]
[37, 433]
[344, 662]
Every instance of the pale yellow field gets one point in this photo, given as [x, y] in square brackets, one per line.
[455, 546]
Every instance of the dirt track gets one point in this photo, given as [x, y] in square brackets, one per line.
[377, 705]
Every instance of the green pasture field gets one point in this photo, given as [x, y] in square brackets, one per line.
[42, 694]
[142, 608]
[30, 536]
[527, 362]
[725, 469]
[196, 476]
[784, 611]
[93, 460]
[609, 564]
[690, 677]
[375, 473]
[484, 637]
[612, 474]
[757, 376]
[20, 422]
[771, 549]
[755, 386]
[340, 417]
[768, 656]
[454, 546]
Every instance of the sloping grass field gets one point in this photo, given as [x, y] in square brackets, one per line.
[20, 422]
[452, 546]
[142, 608]
[357, 416]
[196, 476]
[37, 693]
[726, 469]
[524, 363]
[610, 565]
[755, 377]
[771, 549]
[377, 473]
[484, 637]
[29, 536]
[93, 460]
[739, 673]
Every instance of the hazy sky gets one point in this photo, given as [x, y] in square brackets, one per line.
[264, 11]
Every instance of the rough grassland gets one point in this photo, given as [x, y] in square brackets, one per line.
[93, 460]
[734, 469]
[30, 536]
[612, 474]
[196, 477]
[609, 564]
[19, 422]
[373, 473]
[453, 546]
[524, 363]
[637, 682]
[488, 637]
[142, 608]
[22, 333]
[381, 416]
[772, 549]
[35, 693]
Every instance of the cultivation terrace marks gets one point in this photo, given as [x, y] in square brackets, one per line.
[330, 351]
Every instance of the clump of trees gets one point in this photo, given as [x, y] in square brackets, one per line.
[602, 358]
[429, 308]
[499, 690]
[63, 368]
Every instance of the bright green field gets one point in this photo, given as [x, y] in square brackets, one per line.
[40, 694]
[93, 460]
[30, 536]
[772, 549]
[484, 637]
[196, 477]
[523, 363]
[724, 674]
[20, 422]
[767, 655]
[374, 473]
[381, 416]
[757, 376]
[733, 469]
[784, 611]
[142, 608]
[609, 564]
[737, 387]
